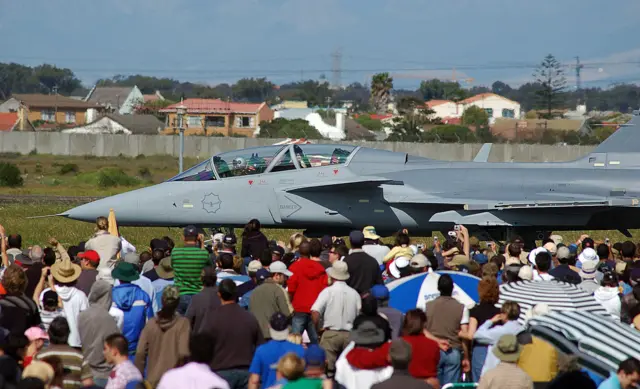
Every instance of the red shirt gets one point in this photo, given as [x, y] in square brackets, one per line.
[425, 356]
[308, 280]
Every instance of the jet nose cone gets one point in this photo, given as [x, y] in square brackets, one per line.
[122, 203]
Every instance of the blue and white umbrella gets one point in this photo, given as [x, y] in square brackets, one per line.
[415, 291]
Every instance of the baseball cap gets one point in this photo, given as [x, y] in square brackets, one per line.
[50, 298]
[459, 260]
[254, 266]
[356, 238]
[279, 326]
[279, 267]
[278, 250]
[369, 232]
[326, 241]
[551, 248]
[91, 256]
[419, 261]
[229, 239]
[217, 238]
[563, 252]
[380, 292]
[35, 333]
[315, 356]
[262, 274]
[190, 231]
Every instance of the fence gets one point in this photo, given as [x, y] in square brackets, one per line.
[107, 145]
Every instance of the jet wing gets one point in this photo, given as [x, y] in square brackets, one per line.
[361, 182]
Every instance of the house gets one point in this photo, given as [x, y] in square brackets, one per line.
[214, 116]
[54, 110]
[351, 128]
[12, 121]
[512, 129]
[121, 124]
[153, 97]
[116, 99]
[495, 105]
[290, 104]
[443, 109]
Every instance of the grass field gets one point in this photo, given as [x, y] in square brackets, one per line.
[77, 176]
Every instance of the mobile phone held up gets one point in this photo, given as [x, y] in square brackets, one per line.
[456, 227]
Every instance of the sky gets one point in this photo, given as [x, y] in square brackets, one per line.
[214, 41]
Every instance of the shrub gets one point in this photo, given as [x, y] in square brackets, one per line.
[38, 167]
[10, 175]
[144, 172]
[111, 177]
[69, 168]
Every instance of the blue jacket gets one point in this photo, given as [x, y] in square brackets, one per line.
[136, 305]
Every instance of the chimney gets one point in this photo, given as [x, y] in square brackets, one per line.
[340, 121]
[22, 116]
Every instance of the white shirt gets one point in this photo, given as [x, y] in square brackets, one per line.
[377, 251]
[74, 301]
[192, 376]
[489, 334]
[358, 378]
[541, 276]
[339, 305]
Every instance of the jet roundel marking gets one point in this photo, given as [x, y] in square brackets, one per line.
[211, 203]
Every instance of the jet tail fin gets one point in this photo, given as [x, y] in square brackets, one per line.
[625, 139]
[483, 154]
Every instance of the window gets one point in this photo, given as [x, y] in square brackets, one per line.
[489, 112]
[245, 122]
[48, 115]
[194, 122]
[508, 113]
[201, 172]
[245, 162]
[70, 117]
[214, 121]
[321, 155]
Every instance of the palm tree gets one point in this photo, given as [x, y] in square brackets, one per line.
[381, 85]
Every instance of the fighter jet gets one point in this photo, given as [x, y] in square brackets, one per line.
[323, 188]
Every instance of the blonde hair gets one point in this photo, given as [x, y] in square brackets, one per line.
[511, 309]
[295, 241]
[102, 223]
[295, 338]
[291, 366]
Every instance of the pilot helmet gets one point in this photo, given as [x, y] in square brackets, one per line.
[239, 163]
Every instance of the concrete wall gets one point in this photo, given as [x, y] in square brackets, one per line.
[109, 145]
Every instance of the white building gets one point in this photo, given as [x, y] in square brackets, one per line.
[444, 109]
[496, 106]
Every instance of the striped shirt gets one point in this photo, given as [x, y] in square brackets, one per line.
[187, 263]
[73, 362]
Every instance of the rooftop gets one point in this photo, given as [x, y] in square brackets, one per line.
[433, 103]
[57, 101]
[214, 106]
[113, 96]
[483, 96]
[8, 121]
[139, 124]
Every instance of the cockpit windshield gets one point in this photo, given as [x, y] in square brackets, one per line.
[321, 155]
[201, 172]
[245, 162]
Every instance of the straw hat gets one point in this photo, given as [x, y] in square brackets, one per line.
[65, 271]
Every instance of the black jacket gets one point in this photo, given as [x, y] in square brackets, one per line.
[201, 303]
[402, 379]
[364, 271]
[253, 245]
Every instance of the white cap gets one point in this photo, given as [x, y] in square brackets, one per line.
[279, 267]
[526, 273]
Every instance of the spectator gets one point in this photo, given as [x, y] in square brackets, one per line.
[630, 305]
[14, 246]
[9, 358]
[253, 241]
[326, 243]
[133, 301]
[33, 268]
[276, 254]
[146, 262]
[538, 359]
[77, 370]
[104, 243]
[196, 374]
[187, 263]
[315, 360]
[269, 298]
[236, 335]
[19, 312]
[37, 338]
[58, 371]
[563, 271]
[542, 264]
[588, 275]
[157, 255]
[401, 248]
[251, 284]
[40, 370]
[143, 282]
[338, 252]
[401, 358]
[65, 274]
[393, 316]
[50, 307]
[446, 317]
[164, 340]
[263, 375]
[116, 353]
[426, 352]
[399, 267]
[571, 375]
[507, 375]
[490, 332]
[336, 308]
[308, 280]
[89, 262]
[420, 264]
[488, 292]
[205, 301]
[226, 263]
[628, 376]
[363, 268]
[165, 274]
[290, 368]
[608, 295]
[315, 251]
[372, 244]
[94, 325]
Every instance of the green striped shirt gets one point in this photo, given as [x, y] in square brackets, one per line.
[187, 263]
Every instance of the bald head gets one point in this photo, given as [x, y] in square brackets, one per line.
[36, 253]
